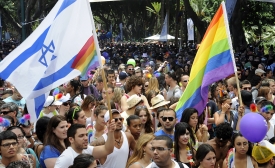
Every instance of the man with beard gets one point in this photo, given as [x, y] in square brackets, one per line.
[123, 141]
[168, 123]
[221, 142]
[77, 135]
[162, 147]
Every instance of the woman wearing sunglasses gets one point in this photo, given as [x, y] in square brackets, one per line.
[133, 87]
[226, 114]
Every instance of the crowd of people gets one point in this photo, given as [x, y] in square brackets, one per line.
[144, 83]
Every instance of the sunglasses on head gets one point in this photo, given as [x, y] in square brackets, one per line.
[120, 119]
[169, 118]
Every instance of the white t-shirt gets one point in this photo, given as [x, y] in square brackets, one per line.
[153, 165]
[66, 159]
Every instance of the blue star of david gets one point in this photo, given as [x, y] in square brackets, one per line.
[45, 49]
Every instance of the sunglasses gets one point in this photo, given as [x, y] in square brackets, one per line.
[186, 81]
[247, 88]
[179, 58]
[5, 112]
[169, 118]
[239, 74]
[146, 85]
[120, 119]
[130, 69]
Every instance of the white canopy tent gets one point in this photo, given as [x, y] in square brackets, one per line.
[159, 38]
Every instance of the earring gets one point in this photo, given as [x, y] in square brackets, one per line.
[144, 153]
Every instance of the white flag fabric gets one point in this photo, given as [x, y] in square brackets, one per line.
[163, 34]
[44, 60]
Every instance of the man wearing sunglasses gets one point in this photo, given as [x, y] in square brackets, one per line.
[18, 100]
[123, 141]
[130, 69]
[11, 110]
[168, 123]
[184, 81]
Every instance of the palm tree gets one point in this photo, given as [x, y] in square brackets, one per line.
[155, 10]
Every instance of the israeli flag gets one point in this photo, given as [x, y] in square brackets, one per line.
[43, 61]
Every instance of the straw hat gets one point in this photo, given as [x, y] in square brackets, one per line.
[263, 151]
[158, 101]
[133, 101]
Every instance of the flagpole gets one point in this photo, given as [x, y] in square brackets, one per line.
[100, 63]
[231, 52]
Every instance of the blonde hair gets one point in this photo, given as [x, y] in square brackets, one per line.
[138, 152]
[264, 91]
[153, 85]
[117, 95]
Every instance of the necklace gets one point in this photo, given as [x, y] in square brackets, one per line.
[118, 142]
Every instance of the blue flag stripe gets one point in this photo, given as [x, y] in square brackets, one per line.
[218, 61]
[61, 73]
[64, 5]
[37, 45]
[39, 102]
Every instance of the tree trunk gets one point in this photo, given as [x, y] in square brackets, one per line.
[177, 23]
[196, 20]
[236, 26]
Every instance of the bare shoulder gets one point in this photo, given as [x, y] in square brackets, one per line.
[99, 141]
[129, 136]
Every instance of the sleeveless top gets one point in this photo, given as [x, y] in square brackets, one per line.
[270, 132]
[118, 158]
[138, 163]
[231, 157]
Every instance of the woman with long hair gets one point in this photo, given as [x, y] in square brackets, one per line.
[183, 150]
[74, 88]
[153, 85]
[142, 154]
[76, 116]
[190, 116]
[133, 86]
[118, 92]
[40, 130]
[146, 120]
[87, 107]
[205, 156]
[54, 141]
[240, 154]
[99, 126]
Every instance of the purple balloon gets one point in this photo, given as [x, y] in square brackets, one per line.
[253, 126]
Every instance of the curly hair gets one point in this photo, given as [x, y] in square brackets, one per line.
[132, 82]
[224, 131]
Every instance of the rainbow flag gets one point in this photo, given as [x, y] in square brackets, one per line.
[213, 61]
[87, 58]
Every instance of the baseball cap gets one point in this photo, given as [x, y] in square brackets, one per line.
[263, 151]
[122, 75]
[259, 71]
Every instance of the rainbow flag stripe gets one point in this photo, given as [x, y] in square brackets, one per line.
[213, 62]
[87, 57]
